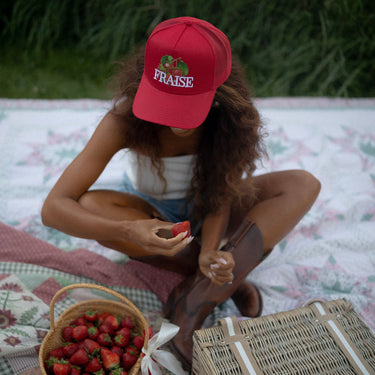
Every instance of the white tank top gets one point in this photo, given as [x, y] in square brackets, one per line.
[178, 172]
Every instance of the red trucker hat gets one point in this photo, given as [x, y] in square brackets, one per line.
[186, 60]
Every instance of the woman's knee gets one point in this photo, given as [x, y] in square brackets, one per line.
[307, 184]
[294, 182]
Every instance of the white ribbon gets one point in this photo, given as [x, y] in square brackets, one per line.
[153, 356]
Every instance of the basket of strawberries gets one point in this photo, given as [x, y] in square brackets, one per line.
[97, 336]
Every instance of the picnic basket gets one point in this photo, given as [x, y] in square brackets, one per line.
[120, 308]
[320, 338]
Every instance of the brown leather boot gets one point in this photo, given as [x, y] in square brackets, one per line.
[247, 297]
[248, 300]
[194, 299]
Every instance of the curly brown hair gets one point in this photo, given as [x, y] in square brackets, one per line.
[229, 147]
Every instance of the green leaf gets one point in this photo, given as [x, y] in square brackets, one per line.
[165, 59]
[17, 332]
[185, 69]
[28, 315]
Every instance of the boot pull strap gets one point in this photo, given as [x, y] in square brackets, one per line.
[238, 344]
[239, 234]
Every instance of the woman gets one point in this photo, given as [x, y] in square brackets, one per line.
[193, 136]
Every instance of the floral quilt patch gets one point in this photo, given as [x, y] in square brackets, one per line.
[24, 318]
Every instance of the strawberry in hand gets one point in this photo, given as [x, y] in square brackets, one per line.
[182, 227]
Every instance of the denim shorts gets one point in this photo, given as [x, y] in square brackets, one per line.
[173, 210]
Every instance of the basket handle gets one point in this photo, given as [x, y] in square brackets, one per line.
[103, 289]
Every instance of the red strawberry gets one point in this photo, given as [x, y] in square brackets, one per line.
[104, 339]
[70, 349]
[150, 333]
[93, 333]
[122, 337]
[49, 362]
[57, 353]
[61, 368]
[80, 321]
[91, 315]
[75, 371]
[102, 316]
[90, 345]
[109, 358]
[79, 333]
[93, 365]
[80, 357]
[128, 322]
[112, 321]
[181, 228]
[121, 340]
[117, 349]
[124, 331]
[67, 334]
[128, 361]
[106, 328]
[118, 371]
[131, 349]
[138, 341]
[176, 72]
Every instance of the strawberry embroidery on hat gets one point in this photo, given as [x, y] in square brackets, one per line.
[174, 67]
[173, 72]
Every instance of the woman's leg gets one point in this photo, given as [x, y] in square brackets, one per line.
[283, 199]
[118, 206]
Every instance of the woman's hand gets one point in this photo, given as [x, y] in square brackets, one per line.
[146, 235]
[217, 266]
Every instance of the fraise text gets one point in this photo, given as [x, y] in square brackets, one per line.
[173, 80]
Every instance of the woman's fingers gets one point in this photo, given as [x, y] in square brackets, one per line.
[221, 269]
[170, 246]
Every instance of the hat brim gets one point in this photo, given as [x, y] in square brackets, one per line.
[177, 111]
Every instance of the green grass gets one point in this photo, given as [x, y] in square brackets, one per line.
[66, 48]
[62, 73]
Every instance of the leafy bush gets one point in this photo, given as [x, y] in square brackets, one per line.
[289, 48]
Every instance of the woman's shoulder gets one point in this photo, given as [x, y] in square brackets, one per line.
[110, 134]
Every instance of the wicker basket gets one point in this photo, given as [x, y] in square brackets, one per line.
[321, 338]
[54, 337]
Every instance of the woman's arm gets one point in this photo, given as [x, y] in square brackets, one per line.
[63, 211]
[215, 264]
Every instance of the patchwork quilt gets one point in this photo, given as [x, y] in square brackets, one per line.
[329, 255]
